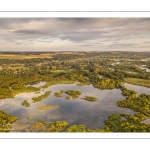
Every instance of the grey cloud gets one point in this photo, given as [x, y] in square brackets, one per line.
[19, 43]
[28, 32]
[75, 30]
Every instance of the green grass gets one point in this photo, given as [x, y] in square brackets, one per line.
[65, 71]
[141, 82]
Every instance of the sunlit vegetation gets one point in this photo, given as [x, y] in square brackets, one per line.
[25, 103]
[56, 126]
[126, 123]
[68, 97]
[90, 98]
[84, 68]
[141, 82]
[76, 128]
[6, 121]
[137, 103]
[73, 94]
[23, 56]
[47, 107]
[37, 125]
[59, 94]
[39, 98]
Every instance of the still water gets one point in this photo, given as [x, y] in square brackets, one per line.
[74, 111]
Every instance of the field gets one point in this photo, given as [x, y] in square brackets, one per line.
[64, 71]
[22, 56]
[141, 82]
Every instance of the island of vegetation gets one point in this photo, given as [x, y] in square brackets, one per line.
[39, 98]
[47, 107]
[90, 98]
[25, 103]
[68, 97]
[6, 121]
[59, 94]
[74, 94]
[56, 126]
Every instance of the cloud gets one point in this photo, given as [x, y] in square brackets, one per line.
[28, 32]
[119, 33]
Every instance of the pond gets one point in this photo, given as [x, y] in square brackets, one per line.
[143, 67]
[74, 111]
[137, 88]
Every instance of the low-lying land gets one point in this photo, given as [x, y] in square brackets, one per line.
[141, 82]
[90, 98]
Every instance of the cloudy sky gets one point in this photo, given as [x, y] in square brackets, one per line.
[74, 34]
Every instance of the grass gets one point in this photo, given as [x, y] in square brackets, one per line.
[58, 71]
[141, 82]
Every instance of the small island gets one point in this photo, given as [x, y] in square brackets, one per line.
[25, 103]
[90, 98]
[58, 94]
[73, 93]
[39, 98]
[47, 107]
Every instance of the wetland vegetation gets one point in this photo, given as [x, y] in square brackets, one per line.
[47, 107]
[90, 98]
[18, 72]
[25, 103]
[39, 98]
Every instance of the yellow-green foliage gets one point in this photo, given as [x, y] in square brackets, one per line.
[39, 98]
[76, 128]
[25, 103]
[37, 125]
[47, 107]
[73, 93]
[126, 123]
[68, 97]
[90, 98]
[56, 126]
[137, 103]
[58, 94]
[141, 82]
[6, 121]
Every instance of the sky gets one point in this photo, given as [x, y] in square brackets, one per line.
[74, 34]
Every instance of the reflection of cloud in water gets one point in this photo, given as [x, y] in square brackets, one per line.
[74, 111]
[137, 88]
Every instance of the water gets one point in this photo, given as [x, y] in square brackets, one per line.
[38, 84]
[137, 88]
[143, 67]
[74, 111]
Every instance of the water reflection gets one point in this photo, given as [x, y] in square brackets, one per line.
[137, 88]
[74, 111]
[38, 84]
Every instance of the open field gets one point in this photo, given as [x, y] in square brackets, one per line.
[18, 56]
[141, 82]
